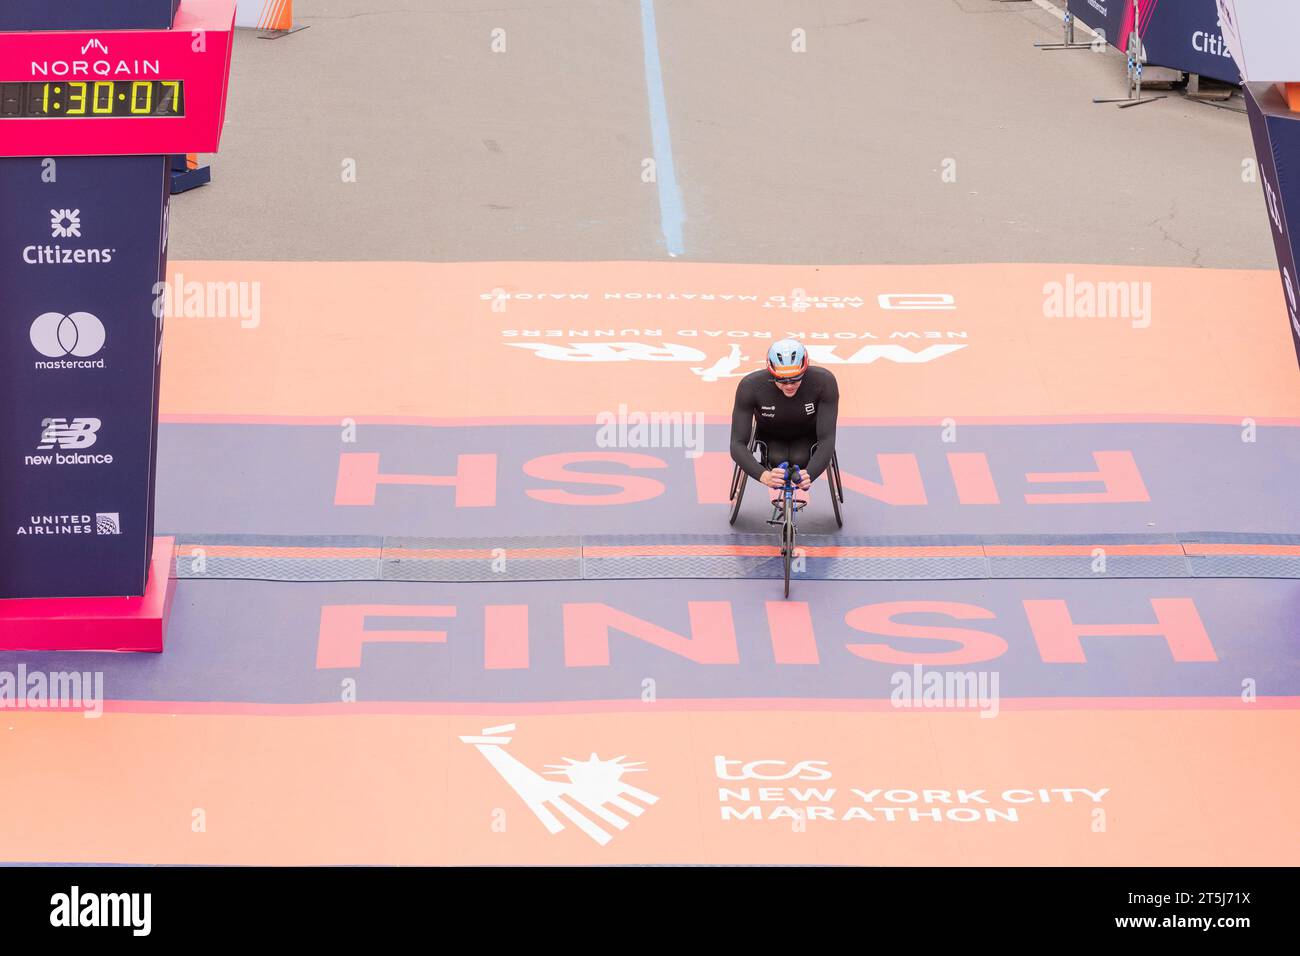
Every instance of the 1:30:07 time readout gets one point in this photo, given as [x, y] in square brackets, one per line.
[75, 99]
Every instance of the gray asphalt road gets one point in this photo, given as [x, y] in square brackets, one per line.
[832, 155]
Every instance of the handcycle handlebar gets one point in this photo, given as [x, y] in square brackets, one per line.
[791, 476]
[791, 481]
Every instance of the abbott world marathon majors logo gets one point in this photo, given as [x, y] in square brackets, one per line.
[592, 796]
[64, 441]
[68, 341]
[806, 791]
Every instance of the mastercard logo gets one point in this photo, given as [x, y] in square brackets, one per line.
[56, 335]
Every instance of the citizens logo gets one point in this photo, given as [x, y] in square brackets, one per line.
[1206, 41]
[65, 223]
[58, 256]
[594, 785]
[69, 436]
[68, 340]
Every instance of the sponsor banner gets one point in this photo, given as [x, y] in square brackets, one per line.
[1185, 35]
[604, 645]
[349, 340]
[82, 250]
[1110, 18]
[1276, 131]
[1045, 788]
[265, 14]
[476, 479]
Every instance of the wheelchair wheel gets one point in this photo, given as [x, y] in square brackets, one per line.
[739, 481]
[787, 544]
[837, 495]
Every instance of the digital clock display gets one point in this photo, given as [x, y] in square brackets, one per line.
[91, 99]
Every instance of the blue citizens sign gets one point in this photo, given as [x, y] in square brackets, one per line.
[1185, 35]
[82, 250]
[83, 262]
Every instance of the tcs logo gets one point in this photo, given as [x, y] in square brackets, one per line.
[770, 769]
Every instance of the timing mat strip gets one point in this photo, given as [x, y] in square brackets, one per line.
[819, 557]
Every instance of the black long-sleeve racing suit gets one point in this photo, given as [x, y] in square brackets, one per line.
[789, 427]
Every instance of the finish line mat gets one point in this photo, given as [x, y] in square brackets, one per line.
[458, 587]
[819, 557]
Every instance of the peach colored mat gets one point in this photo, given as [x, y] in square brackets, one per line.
[1180, 787]
[344, 339]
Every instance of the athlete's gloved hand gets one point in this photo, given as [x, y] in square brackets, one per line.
[774, 478]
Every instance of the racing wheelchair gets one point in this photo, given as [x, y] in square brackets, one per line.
[758, 448]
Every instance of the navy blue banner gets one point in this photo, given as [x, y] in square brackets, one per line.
[82, 256]
[87, 14]
[1185, 35]
[1276, 131]
[1103, 16]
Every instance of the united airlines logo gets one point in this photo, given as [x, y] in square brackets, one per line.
[593, 785]
[103, 522]
[68, 435]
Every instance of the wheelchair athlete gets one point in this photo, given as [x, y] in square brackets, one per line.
[790, 409]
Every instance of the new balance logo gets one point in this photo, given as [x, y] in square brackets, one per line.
[77, 433]
[593, 784]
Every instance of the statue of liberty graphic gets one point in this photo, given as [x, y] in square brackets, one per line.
[593, 784]
[724, 367]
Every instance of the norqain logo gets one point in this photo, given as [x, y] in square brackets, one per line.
[138, 69]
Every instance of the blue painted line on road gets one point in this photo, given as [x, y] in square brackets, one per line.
[671, 213]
